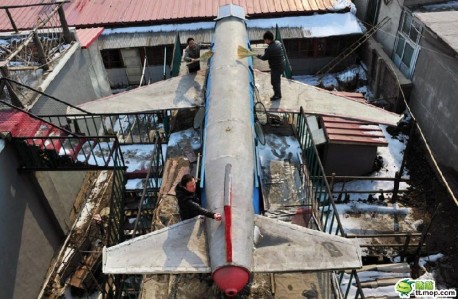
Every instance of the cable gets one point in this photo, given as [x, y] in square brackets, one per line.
[433, 159]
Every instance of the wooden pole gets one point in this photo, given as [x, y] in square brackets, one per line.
[63, 21]
[41, 51]
[11, 20]
[13, 96]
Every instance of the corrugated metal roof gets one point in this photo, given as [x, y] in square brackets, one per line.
[91, 13]
[24, 17]
[87, 36]
[344, 131]
[149, 39]
[444, 24]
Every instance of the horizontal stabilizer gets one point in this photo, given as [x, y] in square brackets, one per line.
[319, 101]
[179, 248]
[285, 247]
[179, 92]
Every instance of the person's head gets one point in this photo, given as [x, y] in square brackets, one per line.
[268, 37]
[188, 182]
[191, 43]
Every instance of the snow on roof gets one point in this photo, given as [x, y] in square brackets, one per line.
[323, 25]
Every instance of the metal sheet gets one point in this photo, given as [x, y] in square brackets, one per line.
[286, 247]
[174, 93]
[180, 248]
[85, 13]
[319, 101]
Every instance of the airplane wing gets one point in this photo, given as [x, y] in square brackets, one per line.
[285, 247]
[319, 101]
[179, 248]
[179, 92]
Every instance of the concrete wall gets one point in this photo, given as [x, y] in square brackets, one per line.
[78, 77]
[387, 34]
[28, 236]
[384, 78]
[361, 8]
[61, 189]
[434, 98]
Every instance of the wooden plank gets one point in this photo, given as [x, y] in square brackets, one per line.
[340, 120]
[356, 139]
[350, 126]
[355, 132]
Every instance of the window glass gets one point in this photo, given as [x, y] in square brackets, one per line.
[400, 46]
[407, 23]
[414, 32]
[408, 52]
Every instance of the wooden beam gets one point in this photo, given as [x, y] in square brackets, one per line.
[11, 20]
[33, 4]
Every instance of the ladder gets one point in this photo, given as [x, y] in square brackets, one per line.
[345, 53]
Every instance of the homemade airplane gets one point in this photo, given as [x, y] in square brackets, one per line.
[230, 249]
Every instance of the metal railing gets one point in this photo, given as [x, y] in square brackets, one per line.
[346, 287]
[319, 191]
[67, 152]
[319, 188]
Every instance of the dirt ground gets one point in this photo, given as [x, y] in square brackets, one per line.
[431, 202]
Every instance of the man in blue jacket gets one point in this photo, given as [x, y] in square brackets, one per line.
[274, 54]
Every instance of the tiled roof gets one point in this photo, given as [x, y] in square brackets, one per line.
[92, 13]
[344, 131]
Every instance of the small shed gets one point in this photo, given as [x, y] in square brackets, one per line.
[350, 147]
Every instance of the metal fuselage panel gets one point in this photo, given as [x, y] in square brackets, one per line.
[229, 140]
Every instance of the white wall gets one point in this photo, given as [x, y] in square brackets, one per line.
[79, 77]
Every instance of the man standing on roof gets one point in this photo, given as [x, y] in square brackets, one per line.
[192, 55]
[275, 55]
[188, 201]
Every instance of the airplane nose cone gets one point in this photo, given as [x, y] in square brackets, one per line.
[231, 279]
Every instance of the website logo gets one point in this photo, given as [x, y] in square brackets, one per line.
[421, 288]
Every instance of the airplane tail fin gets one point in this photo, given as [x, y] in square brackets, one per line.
[285, 247]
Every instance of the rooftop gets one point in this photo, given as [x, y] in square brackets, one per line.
[85, 13]
[443, 24]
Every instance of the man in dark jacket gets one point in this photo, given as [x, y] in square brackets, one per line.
[191, 55]
[274, 54]
[188, 201]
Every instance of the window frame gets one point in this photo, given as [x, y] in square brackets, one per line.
[409, 27]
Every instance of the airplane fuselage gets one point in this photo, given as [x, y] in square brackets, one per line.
[229, 140]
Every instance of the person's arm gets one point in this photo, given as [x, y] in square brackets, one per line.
[266, 55]
[195, 207]
[187, 56]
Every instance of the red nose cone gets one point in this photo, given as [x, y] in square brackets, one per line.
[231, 279]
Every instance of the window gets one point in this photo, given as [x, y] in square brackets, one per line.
[155, 55]
[112, 58]
[407, 44]
[298, 48]
[317, 47]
